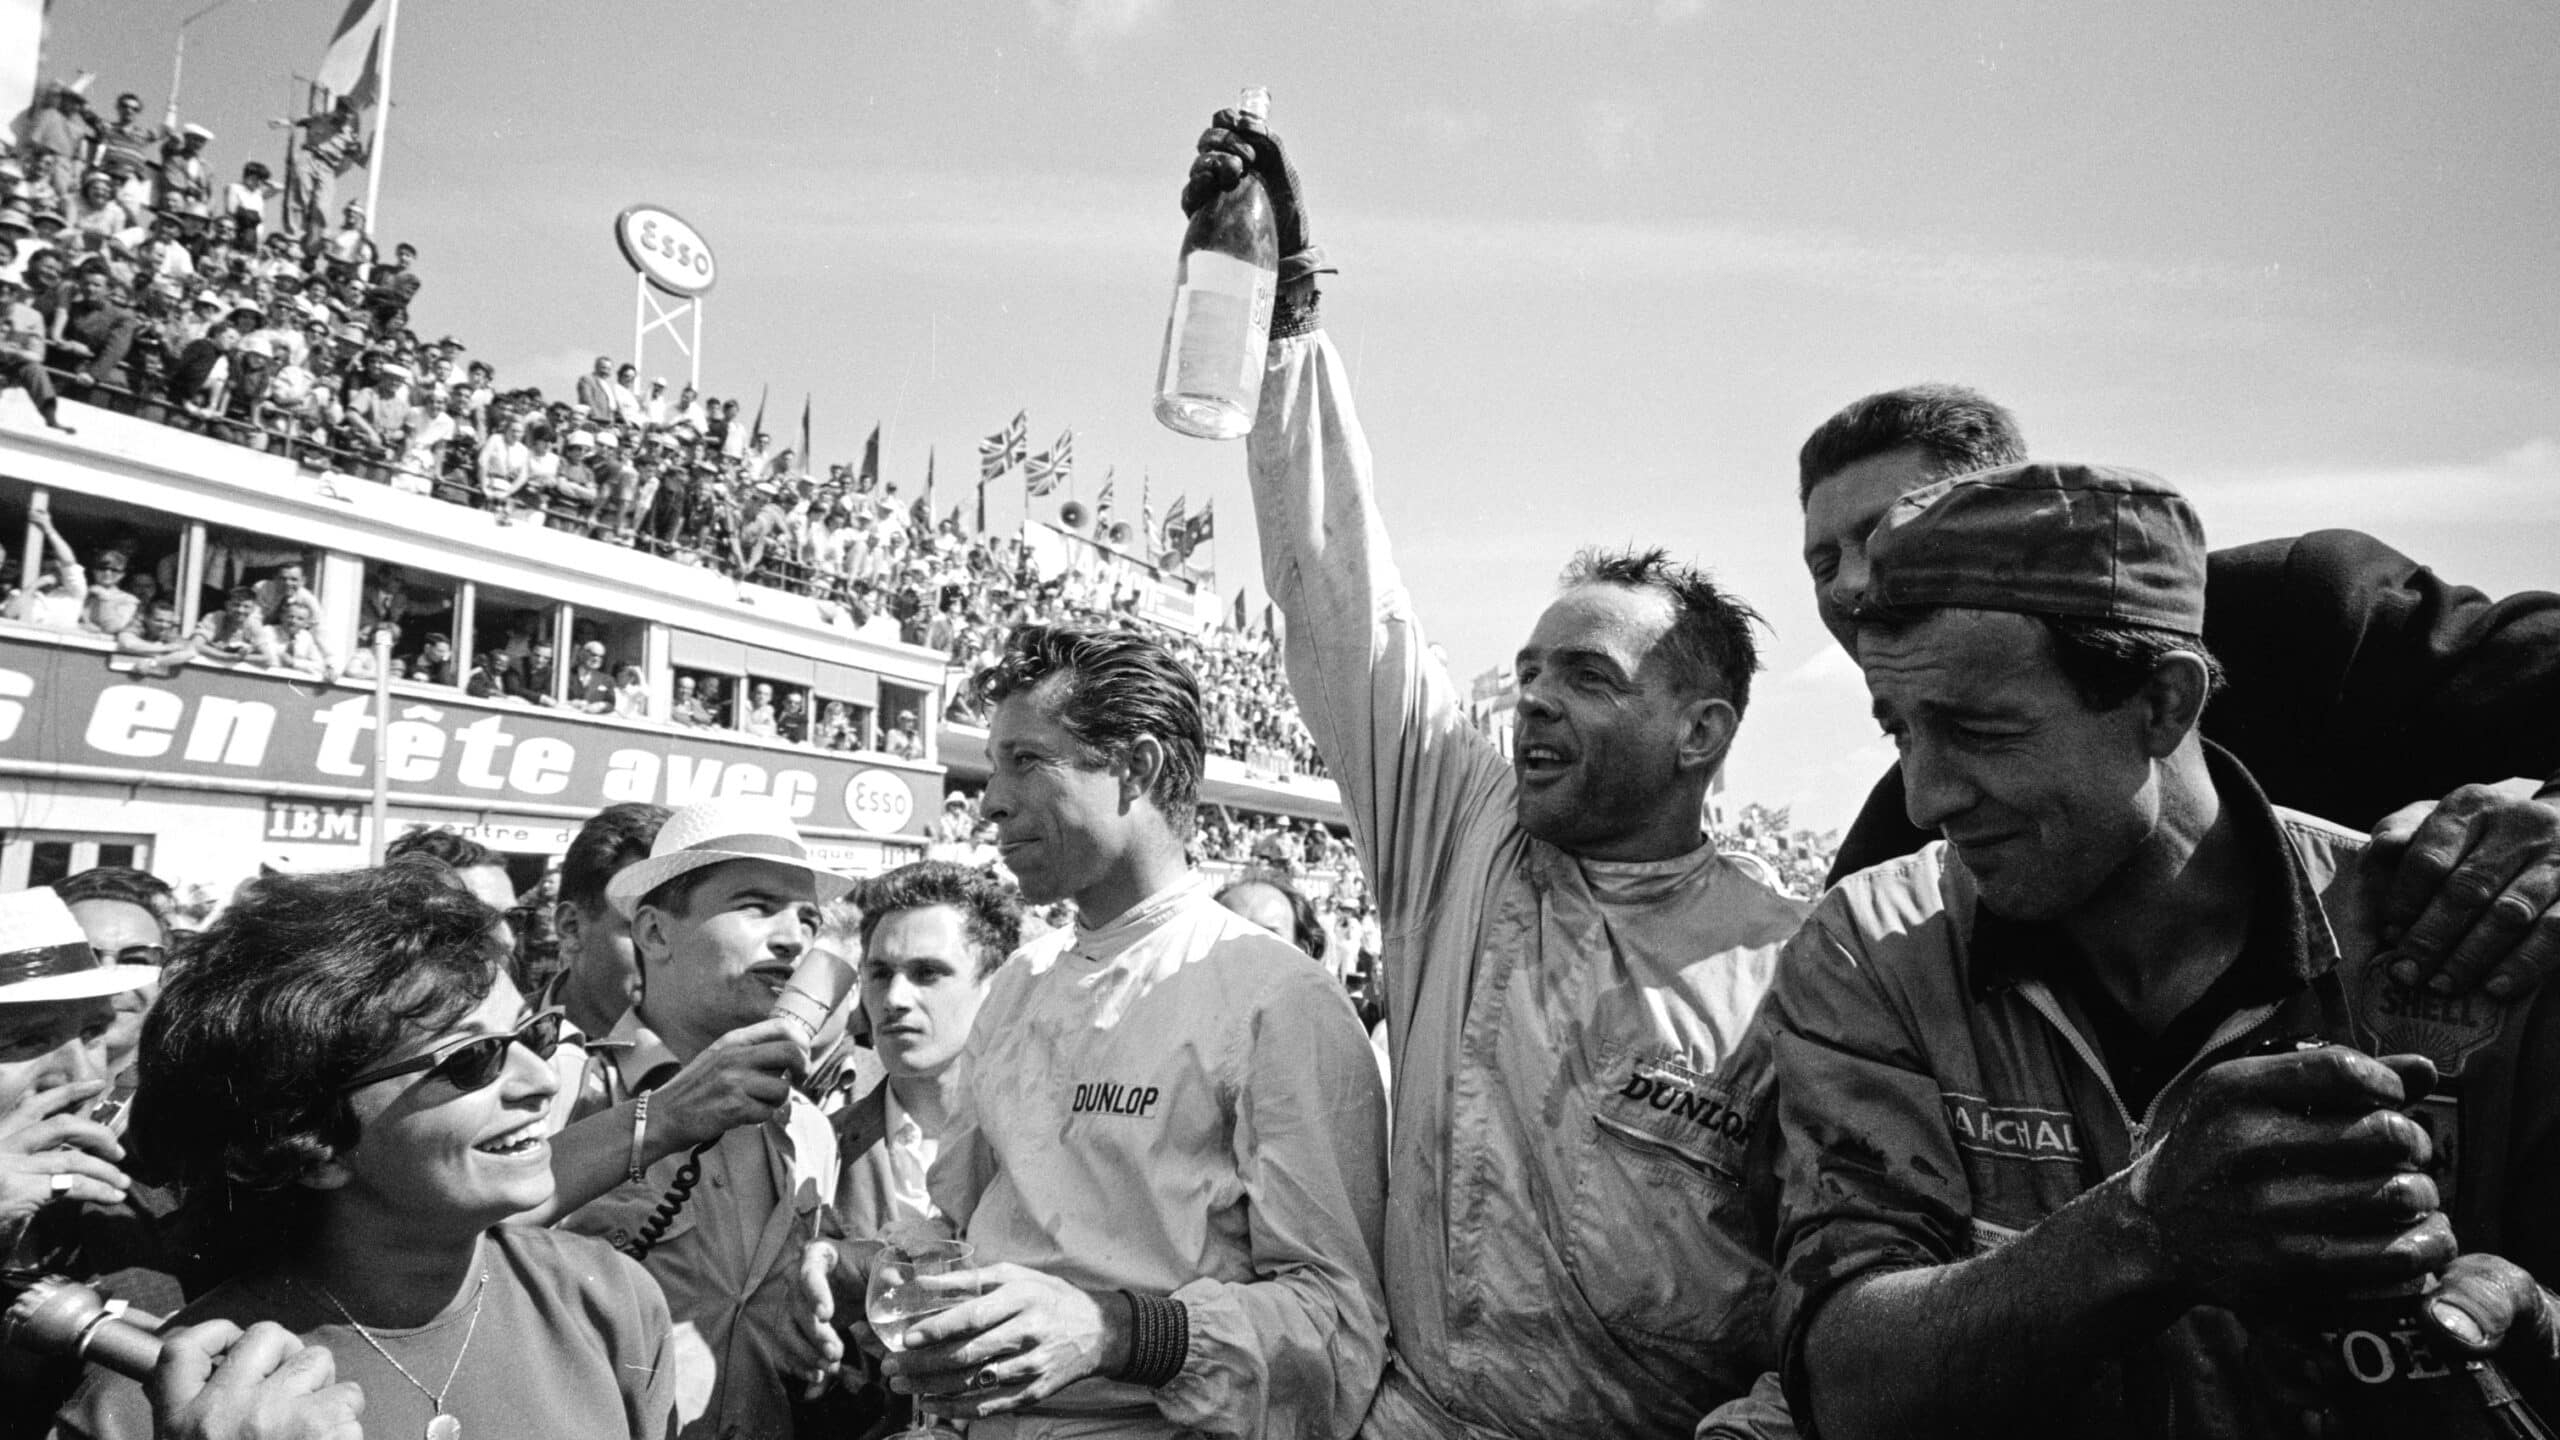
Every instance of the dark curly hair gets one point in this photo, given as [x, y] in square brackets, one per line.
[990, 912]
[302, 983]
[1112, 688]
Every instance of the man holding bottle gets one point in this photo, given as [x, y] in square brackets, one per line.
[1571, 966]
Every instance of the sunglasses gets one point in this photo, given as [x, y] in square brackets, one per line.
[473, 1064]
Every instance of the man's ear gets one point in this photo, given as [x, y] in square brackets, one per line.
[1141, 765]
[2171, 702]
[1707, 724]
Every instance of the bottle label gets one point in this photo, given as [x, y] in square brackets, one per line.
[1221, 326]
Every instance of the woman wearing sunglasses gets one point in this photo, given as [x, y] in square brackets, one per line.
[350, 1094]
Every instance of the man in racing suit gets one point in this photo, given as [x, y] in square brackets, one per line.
[2067, 1103]
[1570, 965]
[1167, 1145]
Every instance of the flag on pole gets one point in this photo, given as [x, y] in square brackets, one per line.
[1177, 529]
[1197, 533]
[352, 68]
[756, 430]
[21, 49]
[869, 478]
[1147, 513]
[1043, 471]
[808, 451]
[1102, 509]
[1240, 620]
[1005, 449]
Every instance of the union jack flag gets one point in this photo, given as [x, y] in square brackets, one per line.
[1177, 529]
[1006, 448]
[1044, 470]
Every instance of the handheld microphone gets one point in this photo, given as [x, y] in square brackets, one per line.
[818, 984]
[56, 1316]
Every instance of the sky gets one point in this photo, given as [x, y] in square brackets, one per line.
[1604, 262]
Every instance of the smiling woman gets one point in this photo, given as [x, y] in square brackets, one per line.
[349, 1095]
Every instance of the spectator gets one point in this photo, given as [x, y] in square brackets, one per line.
[433, 664]
[298, 642]
[157, 636]
[244, 204]
[332, 144]
[689, 708]
[22, 347]
[760, 718]
[343, 1093]
[904, 741]
[590, 682]
[1266, 898]
[630, 694]
[538, 679]
[61, 596]
[835, 729]
[493, 678]
[198, 384]
[127, 146]
[57, 136]
[474, 866]
[109, 608]
[89, 336]
[185, 180]
[58, 1008]
[707, 920]
[932, 937]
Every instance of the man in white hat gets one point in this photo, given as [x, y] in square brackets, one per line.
[57, 1005]
[720, 914]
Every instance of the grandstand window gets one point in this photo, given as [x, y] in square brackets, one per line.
[421, 610]
[523, 632]
[282, 572]
[141, 550]
[906, 714]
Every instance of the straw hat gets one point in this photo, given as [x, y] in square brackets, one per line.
[713, 832]
[45, 955]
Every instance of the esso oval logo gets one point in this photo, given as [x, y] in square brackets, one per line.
[879, 801]
[667, 252]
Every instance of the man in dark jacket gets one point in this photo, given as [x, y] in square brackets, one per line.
[2360, 682]
[92, 332]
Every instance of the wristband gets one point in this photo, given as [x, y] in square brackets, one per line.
[639, 1138]
[1159, 1339]
[1293, 310]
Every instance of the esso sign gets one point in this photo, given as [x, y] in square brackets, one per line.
[667, 252]
[879, 801]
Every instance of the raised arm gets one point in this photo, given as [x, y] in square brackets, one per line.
[1414, 774]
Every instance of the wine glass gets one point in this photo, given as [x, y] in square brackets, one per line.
[898, 1297]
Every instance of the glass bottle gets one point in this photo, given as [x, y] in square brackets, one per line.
[1210, 381]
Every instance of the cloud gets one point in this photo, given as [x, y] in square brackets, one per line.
[1449, 128]
[1617, 131]
[557, 371]
[1679, 12]
[1090, 24]
[2513, 488]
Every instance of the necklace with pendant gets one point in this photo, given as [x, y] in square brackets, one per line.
[440, 1426]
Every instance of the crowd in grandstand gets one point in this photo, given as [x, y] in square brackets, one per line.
[262, 317]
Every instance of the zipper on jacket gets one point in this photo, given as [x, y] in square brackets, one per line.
[2139, 1131]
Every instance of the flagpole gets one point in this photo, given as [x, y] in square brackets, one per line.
[381, 126]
